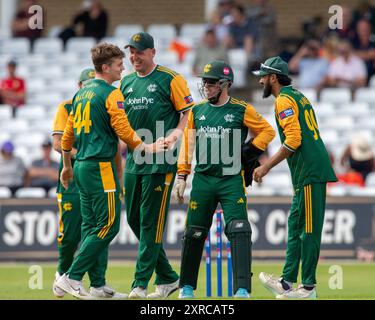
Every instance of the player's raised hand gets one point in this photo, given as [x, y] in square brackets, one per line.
[66, 176]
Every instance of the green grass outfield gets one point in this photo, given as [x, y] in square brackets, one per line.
[358, 280]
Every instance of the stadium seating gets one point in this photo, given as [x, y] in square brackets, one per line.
[52, 193]
[163, 34]
[335, 95]
[48, 46]
[370, 179]
[51, 73]
[362, 192]
[365, 95]
[125, 31]
[80, 45]
[5, 112]
[30, 193]
[193, 32]
[5, 193]
[16, 47]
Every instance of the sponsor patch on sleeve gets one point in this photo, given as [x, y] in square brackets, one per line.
[188, 99]
[286, 113]
[120, 104]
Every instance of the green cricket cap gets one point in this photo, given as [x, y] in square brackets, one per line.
[141, 41]
[87, 74]
[217, 70]
[274, 65]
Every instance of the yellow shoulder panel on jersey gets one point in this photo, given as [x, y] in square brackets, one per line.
[61, 118]
[236, 101]
[166, 70]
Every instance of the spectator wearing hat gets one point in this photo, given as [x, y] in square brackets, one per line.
[43, 172]
[359, 157]
[13, 172]
[12, 88]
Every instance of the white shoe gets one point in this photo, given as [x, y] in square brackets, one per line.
[106, 292]
[73, 287]
[56, 290]
[299, 293]
[164, 290]
[138, 293]
[272, 283]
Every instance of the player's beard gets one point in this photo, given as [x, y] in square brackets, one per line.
[267, 90]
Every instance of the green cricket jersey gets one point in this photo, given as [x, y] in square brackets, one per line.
[96, 121]
[217, 132]
[153, 104]
[299, 133]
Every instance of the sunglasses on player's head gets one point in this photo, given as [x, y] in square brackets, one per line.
[209, 81]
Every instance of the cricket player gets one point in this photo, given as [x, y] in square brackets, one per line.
[68, 200]
[217, 129]
[310, 169]
[157, 101]
[95, 123]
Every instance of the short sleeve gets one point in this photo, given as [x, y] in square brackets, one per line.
[180, 94]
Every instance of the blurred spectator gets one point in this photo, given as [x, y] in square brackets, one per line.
[217, 24]
[364, 11]
[347, 70]
[311, 27]
[94, 19]
[348, 28]
[43, 173]
[209, 50]
[20, 23]
[224, 9]
[264, 17]
[13, 173]
[351, 178]
[12, 88]
[364, 45]
[359, 157]
[366, 250]
[242, 33]
[330, 47]
[311, 67]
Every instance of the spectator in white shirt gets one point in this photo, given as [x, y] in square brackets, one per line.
[347, 70]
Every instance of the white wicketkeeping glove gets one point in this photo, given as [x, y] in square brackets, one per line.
[179, 188]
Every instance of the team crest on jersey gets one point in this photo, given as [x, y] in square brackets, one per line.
[188, 99]
[67, 206]
[120, 104]
[193, 205]
[286, 113]
[229, 117]
[152, 88]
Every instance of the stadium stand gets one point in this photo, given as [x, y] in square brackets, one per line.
[51, 73]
